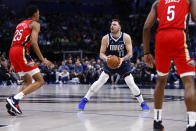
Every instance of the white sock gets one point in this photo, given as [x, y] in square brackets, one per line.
[19, 96]
[134, 88]
[97, 85]
[157, 114]
[191, 119]
[140, 99]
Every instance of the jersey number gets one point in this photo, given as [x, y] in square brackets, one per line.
[18, 35]
[121, 53]
[170, 13]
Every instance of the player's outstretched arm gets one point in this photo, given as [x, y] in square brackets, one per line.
[35, 27]
[104, 44]
[148, 59]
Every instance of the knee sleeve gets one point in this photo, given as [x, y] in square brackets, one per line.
[131, 84]
[100, 82]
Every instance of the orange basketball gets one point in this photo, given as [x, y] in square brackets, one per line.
[113, 62]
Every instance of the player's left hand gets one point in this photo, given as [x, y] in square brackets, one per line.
[148, 60]
[11, 69]
[121, 60]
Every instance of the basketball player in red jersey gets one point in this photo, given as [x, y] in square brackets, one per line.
[171, 44]
[26, 35]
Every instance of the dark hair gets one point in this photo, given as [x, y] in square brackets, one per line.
[117, 20]
[31, 10]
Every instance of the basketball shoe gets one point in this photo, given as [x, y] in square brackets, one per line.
[158, 126]
[191, 128]
[14, 104]
[10, 110]
[145, 107]
[82, 104]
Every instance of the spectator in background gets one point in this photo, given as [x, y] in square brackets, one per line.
[65, 76]
[78, 70]
[60, 70]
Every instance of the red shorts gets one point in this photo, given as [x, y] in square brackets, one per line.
[21, 60]
[171, 45]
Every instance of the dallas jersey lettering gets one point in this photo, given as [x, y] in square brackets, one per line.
[22, 34]
[172, 14]
[117, 47]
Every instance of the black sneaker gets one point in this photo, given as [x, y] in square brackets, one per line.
[10, 110]
[158, 126]
[191, 128]
[14, 104]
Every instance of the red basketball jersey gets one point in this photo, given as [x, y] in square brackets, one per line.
[22, 34]
[172, 14]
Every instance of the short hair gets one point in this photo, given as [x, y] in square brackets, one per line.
[116, 20]
[31, 10]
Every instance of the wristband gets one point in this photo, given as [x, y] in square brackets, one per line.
[147, 53]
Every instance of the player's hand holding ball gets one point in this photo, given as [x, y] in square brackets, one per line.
[113, 62]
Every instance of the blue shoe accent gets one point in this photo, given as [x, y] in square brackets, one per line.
[82, 104]
[145, 107]
[14, 104]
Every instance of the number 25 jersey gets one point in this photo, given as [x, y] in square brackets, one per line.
[22, 34]
[172, 14]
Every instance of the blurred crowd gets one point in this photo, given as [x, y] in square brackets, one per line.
[85, 71]
[74, 30]
[78, 30]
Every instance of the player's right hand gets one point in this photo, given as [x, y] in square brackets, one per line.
[148, 60]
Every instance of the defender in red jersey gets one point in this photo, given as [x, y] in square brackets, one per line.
[171, 44]
[26, 35]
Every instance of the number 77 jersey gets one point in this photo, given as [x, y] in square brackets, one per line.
[172, 14]
[22, 34]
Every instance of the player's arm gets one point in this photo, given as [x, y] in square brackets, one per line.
[148, 59]
[35, 27]
[128, 45]
[34, 37]
[147, 27]
[104, 44]
[192, 4]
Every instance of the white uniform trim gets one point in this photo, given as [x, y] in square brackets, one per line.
[31, 73]
[162, 74]
[117, 38]
[187, 74]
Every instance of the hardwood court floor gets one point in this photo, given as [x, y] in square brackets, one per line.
[54, 108]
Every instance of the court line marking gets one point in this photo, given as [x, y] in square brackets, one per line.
[115, 115]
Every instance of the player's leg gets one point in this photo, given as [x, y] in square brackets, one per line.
[93, 89]
[190, 99]
[39, 82]
[162, 61]
[14, 100]
[187, 73]
[158, 101]
[136, 91]
[27, 81]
